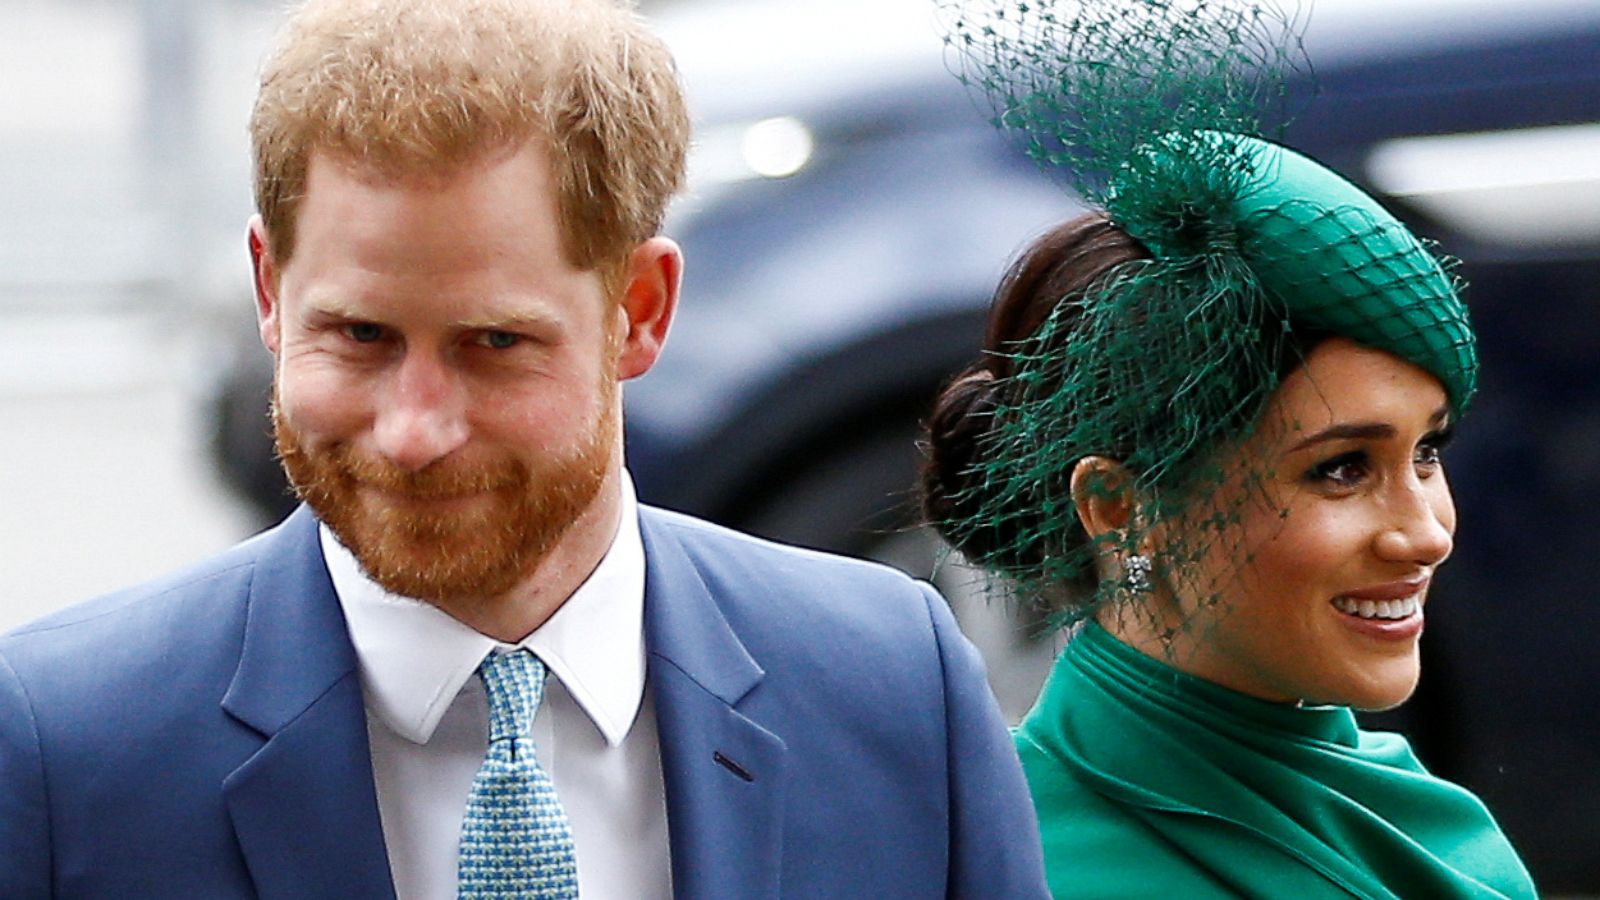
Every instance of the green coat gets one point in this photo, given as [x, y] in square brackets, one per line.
[1150, 783]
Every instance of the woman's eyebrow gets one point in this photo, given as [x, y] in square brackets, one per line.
[1364, 430]
[1348, 431]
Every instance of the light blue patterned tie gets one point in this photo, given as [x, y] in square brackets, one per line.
[515, 840]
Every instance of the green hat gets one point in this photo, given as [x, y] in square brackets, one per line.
[1330, 253]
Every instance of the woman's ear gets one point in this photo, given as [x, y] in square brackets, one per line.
[1102, 493]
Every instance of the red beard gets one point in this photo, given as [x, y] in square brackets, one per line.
[453, 554]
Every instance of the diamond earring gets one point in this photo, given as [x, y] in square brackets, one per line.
[1136, 571]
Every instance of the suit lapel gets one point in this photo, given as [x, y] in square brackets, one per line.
[724, 773]
[303, 807]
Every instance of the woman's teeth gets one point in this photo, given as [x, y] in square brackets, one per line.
[1378, 609]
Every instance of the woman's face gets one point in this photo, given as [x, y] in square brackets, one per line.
[1337, 514]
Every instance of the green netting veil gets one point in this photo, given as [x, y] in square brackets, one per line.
[1155, 110]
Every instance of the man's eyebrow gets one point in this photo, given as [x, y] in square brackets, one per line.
[1364, 430]
[339, 308]
[335, 307]
[519, 318]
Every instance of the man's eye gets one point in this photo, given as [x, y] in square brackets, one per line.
[500, 340]
[364, 332]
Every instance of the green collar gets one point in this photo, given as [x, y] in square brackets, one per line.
[1229, 778]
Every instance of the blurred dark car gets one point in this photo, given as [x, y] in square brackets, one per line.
[851, 210]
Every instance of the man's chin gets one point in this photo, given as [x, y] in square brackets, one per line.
[379, 502]
[450, 591]
[467, 535]
[445, 558]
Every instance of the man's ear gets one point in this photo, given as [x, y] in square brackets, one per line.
[1102, 492]
[649, 301]
[264, 269]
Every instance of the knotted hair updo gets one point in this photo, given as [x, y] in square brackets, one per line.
[1052, 275]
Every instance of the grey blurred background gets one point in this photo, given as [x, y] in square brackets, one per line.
[124, 190]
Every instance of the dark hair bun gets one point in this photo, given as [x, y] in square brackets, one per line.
[1046, 283]
[954, 449]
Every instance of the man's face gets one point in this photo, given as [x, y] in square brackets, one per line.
[445, 391]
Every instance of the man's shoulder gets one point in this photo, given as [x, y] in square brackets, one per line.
[207, 578]
[724, 548]
[777, 596]
[192, 611]
[131, 665]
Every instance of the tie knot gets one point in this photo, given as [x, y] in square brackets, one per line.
[514, 682]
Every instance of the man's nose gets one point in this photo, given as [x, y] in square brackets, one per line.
[422, 416]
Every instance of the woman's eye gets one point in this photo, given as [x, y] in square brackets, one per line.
[1344, 470]
[364, 332]
[1430, 452]
[500, 340]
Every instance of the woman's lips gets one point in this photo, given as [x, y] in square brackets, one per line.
[1392, 610]
[1393, 590]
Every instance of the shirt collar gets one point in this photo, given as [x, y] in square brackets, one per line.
[415, 659]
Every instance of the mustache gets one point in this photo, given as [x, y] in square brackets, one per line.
[440, 480]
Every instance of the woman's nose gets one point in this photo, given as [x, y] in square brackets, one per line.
[1421, 528]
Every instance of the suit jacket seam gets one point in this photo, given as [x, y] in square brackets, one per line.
[38, 748]
[929, 597]
[655, 654]
[666, 520]
[650, 650]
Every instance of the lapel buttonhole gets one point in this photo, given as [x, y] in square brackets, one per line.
[732, 766]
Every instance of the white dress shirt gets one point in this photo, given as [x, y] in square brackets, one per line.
[428, 719]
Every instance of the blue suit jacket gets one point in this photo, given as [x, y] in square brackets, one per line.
[825, 732]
